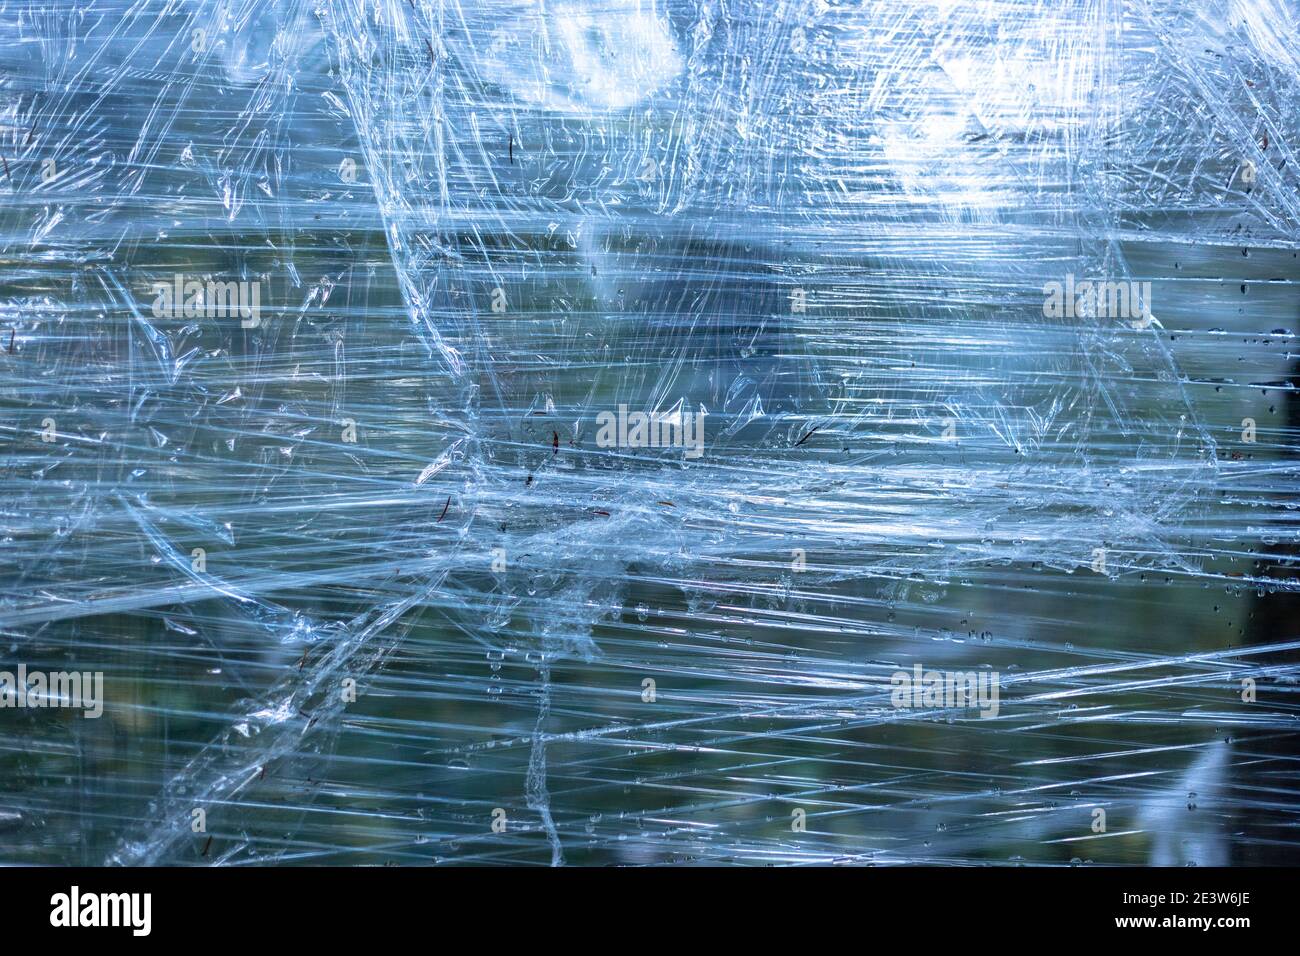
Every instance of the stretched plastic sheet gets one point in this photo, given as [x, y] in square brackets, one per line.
[649, 431]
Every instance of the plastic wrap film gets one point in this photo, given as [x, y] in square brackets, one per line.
[649, 432]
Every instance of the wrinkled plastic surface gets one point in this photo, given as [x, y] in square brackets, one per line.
[476, 226]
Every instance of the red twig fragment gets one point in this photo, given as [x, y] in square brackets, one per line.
[602, 513]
